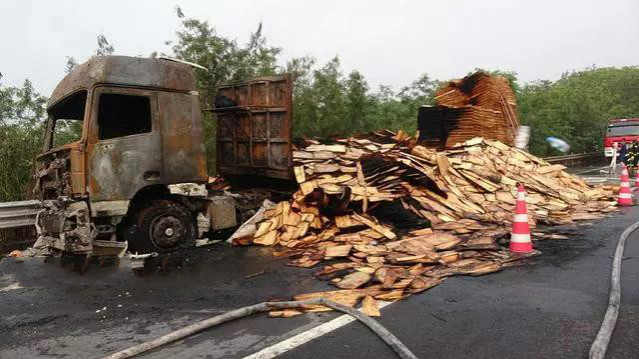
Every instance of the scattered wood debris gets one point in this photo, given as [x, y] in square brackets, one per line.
[355, 195]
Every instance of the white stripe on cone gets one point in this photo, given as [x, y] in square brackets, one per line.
[520, 237]
[625, 195]
[521, 218]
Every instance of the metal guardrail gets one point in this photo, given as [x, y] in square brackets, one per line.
[18, 214]
[574, 158]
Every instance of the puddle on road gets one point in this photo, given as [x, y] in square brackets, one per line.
[254, 261]
[583, 240]
[9, 283]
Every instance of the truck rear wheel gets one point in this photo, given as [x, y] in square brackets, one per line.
[162, 226]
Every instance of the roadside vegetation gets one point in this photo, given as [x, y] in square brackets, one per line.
[328, 101]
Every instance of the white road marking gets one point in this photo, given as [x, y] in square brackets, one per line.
[12, 286]
[13, 283]
[305, 337]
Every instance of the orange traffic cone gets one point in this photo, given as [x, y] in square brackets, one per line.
[625, 196]
[520, 234]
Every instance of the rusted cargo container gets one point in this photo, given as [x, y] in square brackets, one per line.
[254, 135]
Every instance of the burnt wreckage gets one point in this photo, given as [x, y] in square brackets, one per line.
[137, 172]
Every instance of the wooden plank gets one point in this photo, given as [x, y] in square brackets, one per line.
[370, 307]
[300, 176]
[376, 227]
[337, 251]
[354, 280]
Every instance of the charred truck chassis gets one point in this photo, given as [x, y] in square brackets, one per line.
[141, 142]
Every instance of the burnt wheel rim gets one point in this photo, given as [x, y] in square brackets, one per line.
[167, 231]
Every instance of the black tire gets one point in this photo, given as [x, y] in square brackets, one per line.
[161, 226]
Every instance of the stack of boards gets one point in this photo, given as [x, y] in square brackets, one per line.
[466, 194]
[477, 105]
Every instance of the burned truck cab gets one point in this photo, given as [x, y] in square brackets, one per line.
[120, 131]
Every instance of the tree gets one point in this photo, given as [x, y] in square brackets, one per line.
[70, 65]
[22, 115]
[329, 104]
[224, 59]
[577, 107]
[21, 112]
[104, 47]
[225, 62]
[326, 101]
[358, 102]
[329, 100]
[511, 76]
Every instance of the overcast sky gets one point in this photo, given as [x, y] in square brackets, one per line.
[390, 42]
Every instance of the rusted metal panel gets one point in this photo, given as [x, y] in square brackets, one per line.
[184, 155]
[78, 185]
[125, 71]
[254, 133]
[109, 208]
[119, 167]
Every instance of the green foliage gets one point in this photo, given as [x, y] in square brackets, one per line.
[70, 65]
[327, 103]
[510, 75]
[104, 47]
[577, 107]
[327, 100]
[22, 115]
[225, 61]
[21, 133]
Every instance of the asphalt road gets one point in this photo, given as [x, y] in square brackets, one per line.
[551, 307]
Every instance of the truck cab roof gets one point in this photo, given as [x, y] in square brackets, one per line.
[127, 71]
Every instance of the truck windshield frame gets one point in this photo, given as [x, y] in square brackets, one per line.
[70, 109]
[623, 130]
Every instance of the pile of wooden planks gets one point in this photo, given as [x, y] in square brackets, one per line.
[465, 122]
[354, 193]
[477, 105]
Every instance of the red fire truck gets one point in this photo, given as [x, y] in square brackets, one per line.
[618, 130]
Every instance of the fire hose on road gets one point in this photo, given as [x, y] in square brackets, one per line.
[398, 347]
[600, 345]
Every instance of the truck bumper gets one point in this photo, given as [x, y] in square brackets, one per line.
[69, 229]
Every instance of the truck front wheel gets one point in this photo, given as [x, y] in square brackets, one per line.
[161, 226]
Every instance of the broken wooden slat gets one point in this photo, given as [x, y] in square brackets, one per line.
[370, 307]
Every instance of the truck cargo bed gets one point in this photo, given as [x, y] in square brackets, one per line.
[255, 128]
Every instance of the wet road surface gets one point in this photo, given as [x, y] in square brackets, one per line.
[551, 307]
